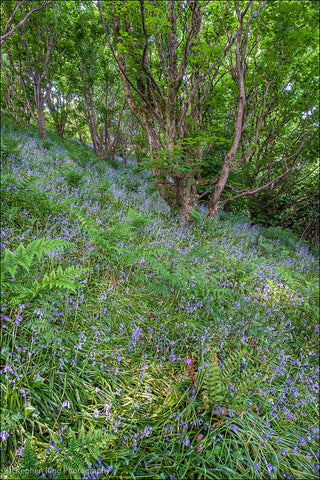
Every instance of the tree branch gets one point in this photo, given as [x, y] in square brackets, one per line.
[124, 75]
[6, 35]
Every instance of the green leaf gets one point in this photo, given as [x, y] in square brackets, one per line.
[20, 249]
[12, 270]
[9, 257]
[28, 409]
[37, 380]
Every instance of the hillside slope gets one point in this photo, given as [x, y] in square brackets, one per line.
[136, 348]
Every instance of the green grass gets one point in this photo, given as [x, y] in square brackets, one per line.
[139, 349]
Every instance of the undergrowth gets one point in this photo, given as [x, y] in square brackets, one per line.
[135, 348]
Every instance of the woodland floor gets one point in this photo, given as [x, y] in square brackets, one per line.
[135, 348]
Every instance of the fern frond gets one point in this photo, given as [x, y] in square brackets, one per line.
[59, 279]
[138, 220]
[76, 452]
[240, 375]
[24, 255]
[215, 386]
[28, 463]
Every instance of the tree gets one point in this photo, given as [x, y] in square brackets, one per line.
[12, 93]
[59, 103]
[223, 91]
[279, 88]
[62, 98]
[33, 56]
[10, 9]
[172, 57]
[167, 70]
[92, 76]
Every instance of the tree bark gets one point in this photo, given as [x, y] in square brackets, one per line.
[41, 121]
[238, 73]
[39, 101]
[61, 125]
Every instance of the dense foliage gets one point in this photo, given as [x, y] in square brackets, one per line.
[159, 239]
[217, 98]
[133, 347]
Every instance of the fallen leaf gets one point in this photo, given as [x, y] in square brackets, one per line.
[199, 437]
[217, 424]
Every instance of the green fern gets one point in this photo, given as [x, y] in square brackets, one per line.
[24, 259]
[42, 322]
[229, 385]
[24, 194]
[18, 293]
[105, 240]
[9, 147]
[72, 177]
[77, 451]
[28, 464]
[215, 385]
[192, 285]
[57, 280]
[138, 220]
[24, 256]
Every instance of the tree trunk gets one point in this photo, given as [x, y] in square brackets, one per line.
[224, 173]
[186, 197]
[189, 203]
[27, 121]
[39, 101]
[124, 159]
[214, 201]
[93, 135]
[41, 121]
[89, 113]
[59, 130]
[100, 150]
[79, 131]
[61, 125]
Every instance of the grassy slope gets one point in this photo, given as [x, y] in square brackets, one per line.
[154, 351]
